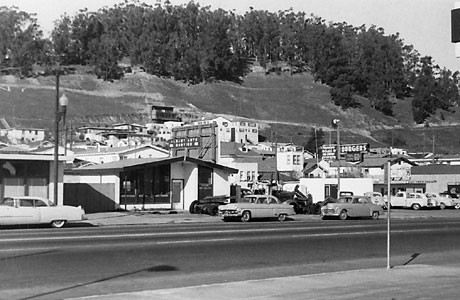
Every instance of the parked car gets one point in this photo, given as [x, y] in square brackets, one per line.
[376, 198]
[414, 200]
[352, 206]
[256, 206]
[210, 205]
[443, 200]
[37, 210]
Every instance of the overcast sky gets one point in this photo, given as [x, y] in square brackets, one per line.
[422, 23]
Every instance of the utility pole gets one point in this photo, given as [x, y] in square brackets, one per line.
[336, 124]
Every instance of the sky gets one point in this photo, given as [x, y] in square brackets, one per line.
[425, 24]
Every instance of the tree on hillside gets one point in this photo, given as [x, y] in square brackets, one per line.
[21, 42]
[424, 102]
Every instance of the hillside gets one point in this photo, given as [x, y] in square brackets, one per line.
[286, 106]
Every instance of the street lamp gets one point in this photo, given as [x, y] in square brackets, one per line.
[336, 124]
[61, 109]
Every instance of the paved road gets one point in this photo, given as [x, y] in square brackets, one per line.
[53, 264]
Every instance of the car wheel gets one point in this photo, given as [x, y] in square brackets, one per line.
[58, 223]
[375, 215]
[457, 206]
[442, 206]
[416, 206]
[246, 217]
[192, 208]
[282, 217]
[343, 215]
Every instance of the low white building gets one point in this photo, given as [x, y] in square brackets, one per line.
[24, 135]
[321, 188]
[146, 183]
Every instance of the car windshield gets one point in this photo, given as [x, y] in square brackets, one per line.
[51, 203]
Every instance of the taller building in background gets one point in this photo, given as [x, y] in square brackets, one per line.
[234, 130]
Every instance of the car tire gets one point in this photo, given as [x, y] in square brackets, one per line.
[442, 206]
[192, 208]
[375, 215]
[282, 217]
[246, 217]
[416, 206]
[58, 223]
[343, 215]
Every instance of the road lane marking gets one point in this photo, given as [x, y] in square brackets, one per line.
[306, 235]
[363, 232]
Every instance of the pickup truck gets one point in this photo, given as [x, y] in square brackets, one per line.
[415, 201]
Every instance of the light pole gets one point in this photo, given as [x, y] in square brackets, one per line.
[61, 103]
[336, 124]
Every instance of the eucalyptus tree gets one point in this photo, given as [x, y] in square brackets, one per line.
[21, 40]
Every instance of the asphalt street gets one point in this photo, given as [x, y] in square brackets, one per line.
[42, 263]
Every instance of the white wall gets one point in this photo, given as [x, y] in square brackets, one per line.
[221, 185]
[189, 173]
[316, 186]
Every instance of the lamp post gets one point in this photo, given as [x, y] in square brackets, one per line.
[336, 124]
[61, 103]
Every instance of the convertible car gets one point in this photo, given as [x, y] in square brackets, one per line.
[352, 206]
[256, 206]
[36, 210]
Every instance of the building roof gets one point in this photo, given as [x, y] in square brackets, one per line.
[233, 149]
[118, 150]
[138, 163]
[380, 161]
[435, 169]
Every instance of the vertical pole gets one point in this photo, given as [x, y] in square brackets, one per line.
[56, 141]
[338, 161]
[389, 213]
[126, 193]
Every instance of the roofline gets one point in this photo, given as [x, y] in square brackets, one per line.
[141, 165]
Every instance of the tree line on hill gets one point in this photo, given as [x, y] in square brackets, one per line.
[194, 44]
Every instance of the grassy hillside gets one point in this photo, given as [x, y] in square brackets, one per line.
[287, 107]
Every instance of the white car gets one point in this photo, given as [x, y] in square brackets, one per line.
[37, 210]
[443, 200]
[256, 206]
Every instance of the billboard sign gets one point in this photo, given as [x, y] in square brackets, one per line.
[352, 152]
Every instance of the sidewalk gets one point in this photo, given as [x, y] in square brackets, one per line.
[180, 217]
[406, 282]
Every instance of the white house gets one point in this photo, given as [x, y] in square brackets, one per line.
[290, 158]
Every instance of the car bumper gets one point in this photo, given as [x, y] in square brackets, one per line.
[230, 214]
[329, 213]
